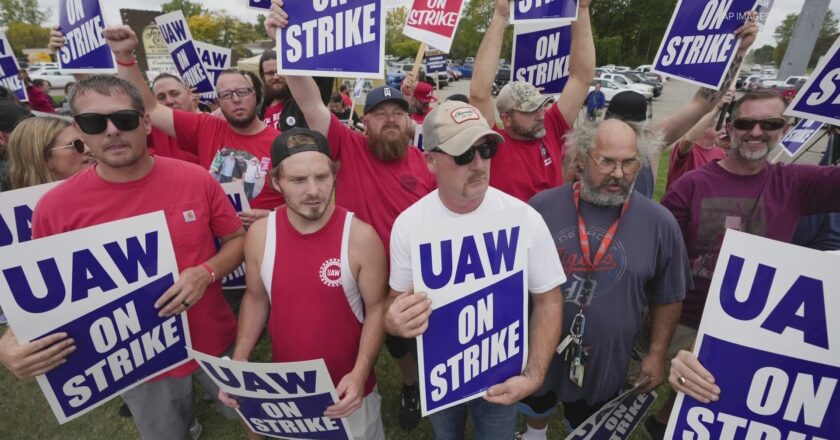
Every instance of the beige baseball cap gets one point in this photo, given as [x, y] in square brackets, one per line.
[520, 96]
[454, 126]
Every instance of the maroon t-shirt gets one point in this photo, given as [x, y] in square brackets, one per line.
[695, 158]
[708, 201]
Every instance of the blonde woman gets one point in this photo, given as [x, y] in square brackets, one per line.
[44, 149]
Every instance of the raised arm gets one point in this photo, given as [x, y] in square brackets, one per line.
[304, 90]
[123, 41]
[581, 66]
[698, 130]
[705, 99]
[487, 62]
[367, 252]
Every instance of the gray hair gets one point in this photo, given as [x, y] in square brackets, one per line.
[650, 140]
[105, 85]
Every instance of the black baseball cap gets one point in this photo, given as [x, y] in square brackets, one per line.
[11, 114]
[628, 106]
[280, 151]
[381, 95]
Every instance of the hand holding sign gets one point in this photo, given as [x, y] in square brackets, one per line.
[122, 40]
[513, 389]
[277, 19]
[408, 315]
[36, 357]
[227, 400]
[747, 32]
[689, 377]
[57, 40]
[651, 369]
[351, 391]
[187, 291]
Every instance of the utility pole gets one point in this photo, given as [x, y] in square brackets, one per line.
[805, 35]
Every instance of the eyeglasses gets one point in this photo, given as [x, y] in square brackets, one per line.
[485, 150]
[240, 92]
[95, 123]
[765, 124]
[608, 166]
[76, 144]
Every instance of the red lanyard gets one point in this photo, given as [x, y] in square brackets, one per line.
[584, 236]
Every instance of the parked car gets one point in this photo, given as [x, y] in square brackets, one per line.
[657, 86]
[792, 80]
[466, 69]
[394, 78]
[653, 76]
[454, 74]
[52, 74]
[503, 76]
[609, 87]
[618, 78]
[644, 68]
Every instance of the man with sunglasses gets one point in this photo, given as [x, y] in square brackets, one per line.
[127, 181]
[622, 253]
[205, 135]
[533, 148]
[746, 193]
[380, 177]
[459, 147]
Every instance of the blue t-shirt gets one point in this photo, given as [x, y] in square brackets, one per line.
[820, 232]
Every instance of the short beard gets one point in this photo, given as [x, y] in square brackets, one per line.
[241, 123]
[535, 133]
[388, 148]
[737, 148]
[604, 199]
[271, 94]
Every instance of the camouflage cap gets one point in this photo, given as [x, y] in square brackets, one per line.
[520, 96]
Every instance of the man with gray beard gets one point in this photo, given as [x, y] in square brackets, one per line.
[622, 253]
[746, 193]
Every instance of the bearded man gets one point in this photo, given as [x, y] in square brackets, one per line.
[622, 253]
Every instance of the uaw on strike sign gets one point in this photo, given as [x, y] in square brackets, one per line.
[474, 270]
[99, 285]
[434, 22]
[770, 344]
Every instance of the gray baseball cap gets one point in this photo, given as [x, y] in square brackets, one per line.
[454, 126]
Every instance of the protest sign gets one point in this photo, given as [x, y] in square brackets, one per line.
[333, 38]
[434, 22]
[216, 59]
[700, 43]
[284, 400]
[9, 69]
[542, 11]
[473, 269]
[617, 419]
[819, 98]
[237, 197]
[98, 285]
[766, 338]
[85, 50]
[16, 209]
[435, 63]
[179, 41]
[541, 55]
[259, 4]
[800, 136]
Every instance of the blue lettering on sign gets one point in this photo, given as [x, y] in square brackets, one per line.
[802, 307]
[236, 201]
[86, 274]
[23, 226]
[499, 248]
[292, 383]
[296, 417]
[173, 31]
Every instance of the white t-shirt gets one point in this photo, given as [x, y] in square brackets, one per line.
[545, 271]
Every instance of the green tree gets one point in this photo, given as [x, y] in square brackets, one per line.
[396, 43]
[763, 55]
[784, 32]
[474, 21]
[26, 36]
[639, 37]
[23, 11]
[189, 8]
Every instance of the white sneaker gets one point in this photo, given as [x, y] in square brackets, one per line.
[195, 429]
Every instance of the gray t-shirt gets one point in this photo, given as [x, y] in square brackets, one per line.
[646, 264]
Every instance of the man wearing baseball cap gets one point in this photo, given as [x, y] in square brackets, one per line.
[533, 151]
[459, 146]
[380, 177]
[419, 95]
[311, 255]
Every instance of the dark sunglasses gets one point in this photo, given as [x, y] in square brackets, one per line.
[95, 123]
[77, 144]
[485, 150]
[765, 124]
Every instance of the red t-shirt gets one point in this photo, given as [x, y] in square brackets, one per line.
[348, 101]
[418, 117]
[524, 168]
[226, 154]
[39, 101]
[696, 158]
[308, 275]
[162, 144]
[377, 192]
[86, 200]
[272, 114]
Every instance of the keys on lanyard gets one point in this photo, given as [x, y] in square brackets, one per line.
[576, 352]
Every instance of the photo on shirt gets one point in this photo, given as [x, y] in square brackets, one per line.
[232, 165]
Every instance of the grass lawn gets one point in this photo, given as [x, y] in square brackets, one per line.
[28, 416]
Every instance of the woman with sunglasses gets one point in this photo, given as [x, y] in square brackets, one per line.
[44, 149]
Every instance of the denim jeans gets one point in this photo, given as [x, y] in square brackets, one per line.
[491, 421]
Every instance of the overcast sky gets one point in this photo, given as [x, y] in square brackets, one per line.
[781, 8]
